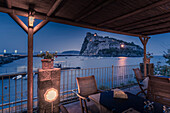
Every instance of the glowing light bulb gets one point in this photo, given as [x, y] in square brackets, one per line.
[51, 95]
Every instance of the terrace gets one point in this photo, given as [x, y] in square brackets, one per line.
[140, 19]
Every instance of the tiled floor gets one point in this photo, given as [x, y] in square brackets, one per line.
[75, 107]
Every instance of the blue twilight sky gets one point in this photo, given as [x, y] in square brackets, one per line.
[60, 37]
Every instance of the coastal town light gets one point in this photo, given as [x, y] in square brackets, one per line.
[4, 50]
[95, 34]
[16, 51]
[51, 95]
[122, 45]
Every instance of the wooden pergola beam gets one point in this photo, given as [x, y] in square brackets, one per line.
[150, 27]
[134, 12]
[167, 31]
[85, 25]
[50, 12]
[89, 12]
[15, 18]
[157, 31]
[147, 21]
[19, 22]
[144, 41]
[54, 7]
[63, 21]
[40, 25]
[14, 11]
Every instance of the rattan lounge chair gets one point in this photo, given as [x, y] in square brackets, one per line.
[86, 86]
[139, 79]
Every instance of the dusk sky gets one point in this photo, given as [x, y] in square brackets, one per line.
[60, 37]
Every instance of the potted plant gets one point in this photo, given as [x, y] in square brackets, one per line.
[148, 57]
[47, 62]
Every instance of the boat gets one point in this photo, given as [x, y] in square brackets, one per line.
[26, 76]
[63, 65]
[17, 77]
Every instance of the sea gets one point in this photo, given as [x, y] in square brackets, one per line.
[20, 65]
[78, 61]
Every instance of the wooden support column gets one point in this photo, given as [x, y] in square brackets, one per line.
[30, 70]
[30, 64]
[144, 41]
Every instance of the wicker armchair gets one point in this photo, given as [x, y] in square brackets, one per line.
[139, 79]
[86, 86]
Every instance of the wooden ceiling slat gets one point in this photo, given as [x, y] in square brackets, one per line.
[94, 10]
[134, 12]
[141, 22]
[157, 31]
[151, 27]
[9, 3]
[53, 8]
[135, 18]
[63, 21]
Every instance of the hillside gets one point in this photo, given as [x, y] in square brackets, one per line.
[95, 45]
[71, 52]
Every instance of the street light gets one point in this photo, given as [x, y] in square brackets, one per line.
[50, 96]
[16, 51]
[4, 50]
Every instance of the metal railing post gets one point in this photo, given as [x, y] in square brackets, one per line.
[112, 75]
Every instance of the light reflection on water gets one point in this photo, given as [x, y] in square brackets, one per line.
[122, 61]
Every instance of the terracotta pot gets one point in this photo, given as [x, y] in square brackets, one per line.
[47, 63]
[147, 60]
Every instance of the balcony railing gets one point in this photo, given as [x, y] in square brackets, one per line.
[106, 78]
[13, 91]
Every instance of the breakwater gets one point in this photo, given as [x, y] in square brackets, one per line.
[8, 58]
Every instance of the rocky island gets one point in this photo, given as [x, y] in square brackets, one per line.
[95, 45]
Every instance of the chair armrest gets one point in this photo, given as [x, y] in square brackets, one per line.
[145, 77]
[100, 91]
[82, 97]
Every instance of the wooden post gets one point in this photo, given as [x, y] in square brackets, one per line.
[144, 41]
[30, 69]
